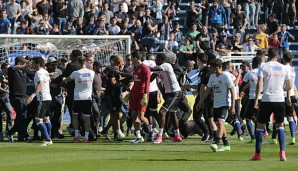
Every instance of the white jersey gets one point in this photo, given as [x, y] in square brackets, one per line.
[43, 76]
[83, 83]
[221, 85]
[236, 86]
[252, 78]
[292, 73]
[153, 85]
[274, 75]
[168, 78]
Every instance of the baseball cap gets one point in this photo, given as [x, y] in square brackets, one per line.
[224, 34]
[20, 59]
[52, 59]
[245, 63]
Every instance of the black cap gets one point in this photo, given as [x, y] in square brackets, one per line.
[98, 63]
[20, 59]
[245, 63]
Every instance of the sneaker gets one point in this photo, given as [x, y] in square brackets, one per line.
[256, 157]
[76, 138]
[128, 133]
[292, 141]
[9, 137]
[86, 140]
[165, 136]
[121, 134]
[214, 147]
[158, 139]
[251, 142]
[225, 148]
[118, 139]
[105, 134]
[150, 137]
[176, 138]
[155, 131]
[59, 136]
[233, 132]
[70, 130]
[137, 141]
[240, 138]
[100, 129]
[265, 134]
[29, 140]
[47, 143]
[273, 141]
[205, 137]
[282, 156]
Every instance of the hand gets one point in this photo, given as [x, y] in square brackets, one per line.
[29, 100]
[288, 101]
[201, 51]
[256, 105]
[144, 101]
[232, 110]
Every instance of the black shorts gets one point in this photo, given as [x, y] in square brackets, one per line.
[83, 107]
[221, 113]
[43, 109]
[209, 107]
[171, 101]
[289, 110]
[152, 103]
[267, 108]
[251, 111]
[114, 103]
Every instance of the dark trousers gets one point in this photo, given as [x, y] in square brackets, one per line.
[19, 105]
[7, 108]
[55, 115]
[197, 117]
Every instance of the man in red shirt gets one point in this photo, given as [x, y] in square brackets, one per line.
[139, 94]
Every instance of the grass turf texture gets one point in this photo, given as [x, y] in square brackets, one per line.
[190, 154]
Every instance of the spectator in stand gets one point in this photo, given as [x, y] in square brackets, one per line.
[261, 37]
[249, 7]
[186, 51]
[157, 8]
[136, 34]
[192, 15]
[164, 29]
[42, 28]
[43, 7]
[177, 32]
[283, 37]
[272, 25]
[79, 28]
[217, 17]
[257, 12]
[237, 45]
[89, 11]
[24, 28]
[140, 4]
[224, 45]
[101, 28]
[123, 28]
[170, 11]
[214, 36]
[227, 6]
[149, 29]
[4, 23]
[107, 13]
[24, 11]
[274, 42]
[192, 34]
[132, 22]
[35, 18]
[289, 12]
[67, 30]
[204, 42]
[125, 4]
[90, 27]
[13, 10]
[113, 28]
[121, 14]
[171, 44]
[205, 12]
[60, 13]
[75, 8]
[55, 30]
[239, 21]
[250, 46]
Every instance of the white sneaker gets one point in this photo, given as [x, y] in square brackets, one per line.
[121, 134]
[100, 129]
[214, 147]
[47, 143]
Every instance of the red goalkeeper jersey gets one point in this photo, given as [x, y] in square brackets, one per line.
[141, 75]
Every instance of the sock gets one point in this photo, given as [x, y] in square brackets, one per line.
[274, 132]
[250, 129]
[77, 133]
[215, 134]
[259, 139]
[160, 131]
[150, 128]
[119, 132]
[177, 132]
[282, 138]
[292, 126]
[49, 127]
[86, 135]
[138, 133]
[225, 141]
[44, 132]
[238, 128]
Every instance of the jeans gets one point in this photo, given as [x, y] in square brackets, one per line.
[13, 28]
[6, 106]
[19, 105]
[228, 15]
[282, 51]
[61, 23]
[257, 11]
[249, 10]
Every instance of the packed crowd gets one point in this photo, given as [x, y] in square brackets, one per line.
[131, 87]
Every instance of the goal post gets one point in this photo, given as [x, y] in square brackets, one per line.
[61, 46]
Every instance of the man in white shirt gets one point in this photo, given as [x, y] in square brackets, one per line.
[172, 95]
[113, 28]
[82, 97]
[272, 77]
[221, 83]
[249, 46]
[44, 98]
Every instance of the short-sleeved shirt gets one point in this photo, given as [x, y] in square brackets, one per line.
[292, 73]
[252, 78]
[17, 82]
[4, 25]
[274, 75]
[153, 85]
[221, 85]
[283, 37]
[83, 83]
[141, 75]
[168, 78]
[203, 76]
[43, 76]
[205, 41]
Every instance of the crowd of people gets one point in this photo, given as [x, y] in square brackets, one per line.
[131, 87]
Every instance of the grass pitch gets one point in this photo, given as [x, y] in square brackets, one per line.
[191, 154]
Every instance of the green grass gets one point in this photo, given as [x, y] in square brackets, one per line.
[191, 154]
